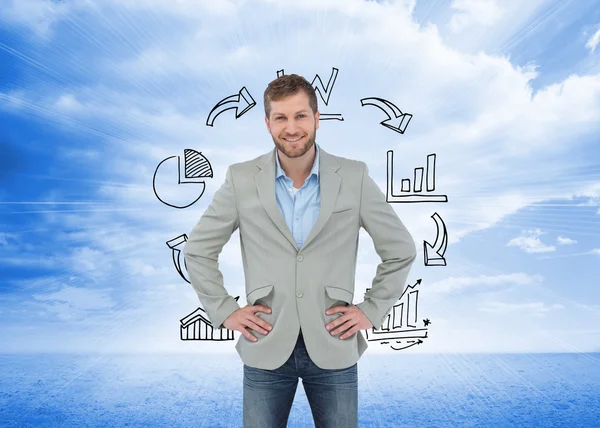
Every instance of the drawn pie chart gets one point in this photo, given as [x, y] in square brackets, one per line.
[179, 183]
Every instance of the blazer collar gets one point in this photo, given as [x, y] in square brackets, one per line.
[329, 180]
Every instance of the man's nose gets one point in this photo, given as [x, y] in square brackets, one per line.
[291, 127]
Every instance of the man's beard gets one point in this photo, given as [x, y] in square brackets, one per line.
[310, 141]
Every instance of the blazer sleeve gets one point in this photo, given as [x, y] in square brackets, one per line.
[207, 239]
[394, 245]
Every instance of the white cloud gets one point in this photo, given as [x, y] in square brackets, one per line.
[533, 308]
[531, 243]
[474, 12]
[455, 285]
[565, 241]
[74, 303]
[150, 101]
[593, 41]
[5, 236]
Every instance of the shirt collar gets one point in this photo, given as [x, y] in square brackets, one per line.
[314, 171]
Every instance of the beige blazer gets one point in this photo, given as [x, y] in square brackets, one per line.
[299, 284]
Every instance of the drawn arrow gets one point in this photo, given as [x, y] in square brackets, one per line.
[438, 249]
[418, 342]
[173, 244]
[398, 122]
[242, 100]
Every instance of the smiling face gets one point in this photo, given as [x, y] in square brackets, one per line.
[293, 125]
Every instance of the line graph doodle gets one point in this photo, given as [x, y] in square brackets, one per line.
[195, 169]
[396, 120]
[240, 102]
[419, 173]
[324, 91]
[434, 254]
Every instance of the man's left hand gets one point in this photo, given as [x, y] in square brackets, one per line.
[353, 320]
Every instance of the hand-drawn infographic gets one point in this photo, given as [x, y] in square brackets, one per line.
[414, 194]
[197, 326]
[176, 245]
[324, 92]
[400, 327]
[240, 102]
[398, 122]
[196, 169]
[434, 254]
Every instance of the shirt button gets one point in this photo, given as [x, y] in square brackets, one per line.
[300, 257]
[299, 294]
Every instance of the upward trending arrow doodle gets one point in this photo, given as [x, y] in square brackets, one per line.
[401, 120]
[241, 102]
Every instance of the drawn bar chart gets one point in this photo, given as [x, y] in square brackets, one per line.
[197, 326]
[414, 193]
[400, 323]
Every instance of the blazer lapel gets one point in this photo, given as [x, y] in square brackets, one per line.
[330, 183]
[265, 184]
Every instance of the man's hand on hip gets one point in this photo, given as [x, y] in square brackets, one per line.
[245, 317]
[353, 320]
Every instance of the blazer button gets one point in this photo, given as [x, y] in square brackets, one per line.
[299, 294]
[300, 257]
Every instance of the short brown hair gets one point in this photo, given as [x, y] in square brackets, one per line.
[286, 85]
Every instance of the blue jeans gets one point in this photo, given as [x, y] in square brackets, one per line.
[332, 394]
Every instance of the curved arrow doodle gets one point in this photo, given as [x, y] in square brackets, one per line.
[175, 245]
[434, 254]
[418, 342]
[242, 100]
[398, 122]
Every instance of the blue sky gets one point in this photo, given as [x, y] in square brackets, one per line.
[94, 95]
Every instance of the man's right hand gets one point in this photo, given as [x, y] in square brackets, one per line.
[245, 317]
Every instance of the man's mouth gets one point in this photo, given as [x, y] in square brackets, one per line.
[293, 140]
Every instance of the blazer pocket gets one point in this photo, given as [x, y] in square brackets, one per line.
[341, 294]
[259, 293]
[342, 210]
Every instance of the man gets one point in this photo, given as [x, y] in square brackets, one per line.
[299, 210]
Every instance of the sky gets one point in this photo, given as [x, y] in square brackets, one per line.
[95, 95]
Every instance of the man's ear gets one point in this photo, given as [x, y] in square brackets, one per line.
[268, 124]
[317, 116]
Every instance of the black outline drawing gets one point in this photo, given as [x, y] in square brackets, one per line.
[389, 108]
[400, 326]
[321, 89]
[196, 167]
[197, 326]
[232, 102]
[413, 197]
[177, 254]
[439, 246]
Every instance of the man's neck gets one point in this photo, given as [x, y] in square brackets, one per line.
[298, 168]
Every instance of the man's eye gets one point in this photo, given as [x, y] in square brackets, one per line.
[301, 115]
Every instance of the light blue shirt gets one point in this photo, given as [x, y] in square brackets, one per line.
[301, 210]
